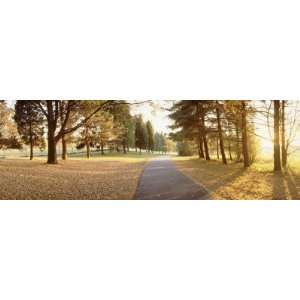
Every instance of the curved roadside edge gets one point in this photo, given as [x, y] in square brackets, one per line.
[140, 179]
[208, 192]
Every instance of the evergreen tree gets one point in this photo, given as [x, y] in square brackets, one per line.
[160, 143]
[30, 124]
[219, 109]
[123, 125]
[130, 133]
[140, 134]
[190, 116]
[150, 135]
[157, 142]
[184, 149]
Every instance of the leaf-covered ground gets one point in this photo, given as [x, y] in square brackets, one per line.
[108, 178]
[234, 182]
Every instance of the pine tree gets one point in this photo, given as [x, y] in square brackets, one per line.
[123, 124]
[30, 124]
[190, 116]
[150, 135]
[220, 132]
[140, 134]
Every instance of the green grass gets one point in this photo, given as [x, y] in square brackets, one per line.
[115, 156]
[131, 156]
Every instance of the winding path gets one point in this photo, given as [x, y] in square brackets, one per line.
[161, 180]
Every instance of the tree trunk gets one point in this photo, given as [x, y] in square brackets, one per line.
[102, 149]
[238, 150]
[283, 139]
[200, 132]
[124, 148]
[31, 142]
[64, 148]
[88, 150]
[218, 155]
[245, 136]
[229, 141]
[202, 115]
[277, 158]
[229, 150]
[220, 134]
[207, 157]
[52, 156]
[31, 151]
[200, 149]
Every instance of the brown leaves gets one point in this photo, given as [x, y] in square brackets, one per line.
[74, 179]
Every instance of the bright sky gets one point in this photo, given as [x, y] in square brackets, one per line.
[265, 133]
[156, 113]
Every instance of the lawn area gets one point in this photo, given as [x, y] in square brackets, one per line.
[108, 177]
[114, 156]
[234, 182]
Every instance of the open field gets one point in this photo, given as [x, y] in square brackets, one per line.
[108, 177]
[234, 182]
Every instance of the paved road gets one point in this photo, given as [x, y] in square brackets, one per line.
[162, 181]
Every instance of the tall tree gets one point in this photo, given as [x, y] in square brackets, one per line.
[245, 143]
[203, 111]
[283, 135]
[90, 127]
[123, 125]
[277, 157]
[30, 124]
[105, 130]
[220, 132]
[140, 134]
[131, 133]
[201, 133]
[150, 135]
[233, 111]
[158, 142]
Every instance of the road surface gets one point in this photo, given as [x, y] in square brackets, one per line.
[161, 180]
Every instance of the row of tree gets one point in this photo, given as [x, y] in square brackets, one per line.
[90, 124]
[228, 129]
